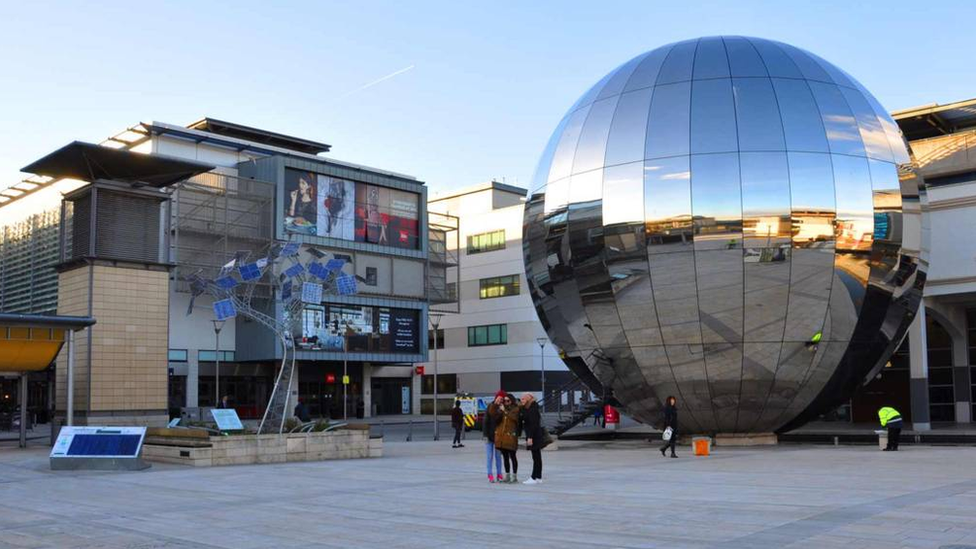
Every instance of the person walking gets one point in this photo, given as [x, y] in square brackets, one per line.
[670, 422]
[457, 421]
[534, 437]
[489, 425]
[891, 419]
[506, 436]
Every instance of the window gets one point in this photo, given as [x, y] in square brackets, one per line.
[446, 384]
[440, 338]
[211, 356]
[452, 294]
[942, 401]
[177, 355]
[486, 242]
[500, 286]
[492, 334]
[371, 276]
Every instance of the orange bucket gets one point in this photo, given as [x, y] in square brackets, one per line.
[701, 445]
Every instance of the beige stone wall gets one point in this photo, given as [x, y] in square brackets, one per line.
[73, 300]
[129, 340]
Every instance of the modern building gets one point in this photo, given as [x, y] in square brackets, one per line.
[494, 342]
[930, 379]
[250, 189]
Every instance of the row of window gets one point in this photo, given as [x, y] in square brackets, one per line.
[486, 242]
[478, 336]
[180, 355]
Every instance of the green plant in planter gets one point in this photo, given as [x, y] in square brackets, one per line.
[320, 425]
[291, 424]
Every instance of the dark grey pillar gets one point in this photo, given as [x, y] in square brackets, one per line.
[23, 410]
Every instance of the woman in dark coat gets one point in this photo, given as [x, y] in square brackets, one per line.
[671, 420]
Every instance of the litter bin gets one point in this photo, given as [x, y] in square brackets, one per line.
[882, 438]
[701, 446]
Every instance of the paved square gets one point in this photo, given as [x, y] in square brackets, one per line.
[424, 494]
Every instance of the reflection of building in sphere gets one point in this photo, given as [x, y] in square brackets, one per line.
[721, 220]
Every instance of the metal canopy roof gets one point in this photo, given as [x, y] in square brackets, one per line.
[90, 162]
[240, 131]
[934, 120]
[45, 321]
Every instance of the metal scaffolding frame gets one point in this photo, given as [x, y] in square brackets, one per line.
[443, 263]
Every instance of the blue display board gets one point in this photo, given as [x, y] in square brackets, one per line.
[227, 419]
[98, 442]
[224, 309]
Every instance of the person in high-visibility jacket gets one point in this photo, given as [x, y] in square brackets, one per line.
[891, 419]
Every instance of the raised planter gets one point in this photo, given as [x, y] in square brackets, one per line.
[199, 449]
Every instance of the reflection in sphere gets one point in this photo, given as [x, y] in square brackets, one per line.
[720, 219]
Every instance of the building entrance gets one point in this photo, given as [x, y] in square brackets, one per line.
[391, 395]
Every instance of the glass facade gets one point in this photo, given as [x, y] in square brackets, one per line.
[719, 220]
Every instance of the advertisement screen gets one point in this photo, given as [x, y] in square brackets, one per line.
[301, 207]
[360, 329]
[337, 209]
[321, 205]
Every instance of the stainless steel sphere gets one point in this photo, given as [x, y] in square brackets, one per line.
[721, 219]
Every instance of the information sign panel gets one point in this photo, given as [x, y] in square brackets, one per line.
[98, 442]
[227, 419]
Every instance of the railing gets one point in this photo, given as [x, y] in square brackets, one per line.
[953, 144]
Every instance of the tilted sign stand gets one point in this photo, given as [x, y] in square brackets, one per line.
[295, 283]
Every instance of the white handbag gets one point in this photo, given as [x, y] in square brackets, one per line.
[667, 433]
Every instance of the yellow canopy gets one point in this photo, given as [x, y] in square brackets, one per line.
[29, 349]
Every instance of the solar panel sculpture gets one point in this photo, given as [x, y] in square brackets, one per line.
[296, 283]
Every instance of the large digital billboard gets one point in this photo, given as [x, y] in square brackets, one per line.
[320, 205]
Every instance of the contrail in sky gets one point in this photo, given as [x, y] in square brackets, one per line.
[375, 82]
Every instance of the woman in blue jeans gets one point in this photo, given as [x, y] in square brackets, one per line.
[488, 425]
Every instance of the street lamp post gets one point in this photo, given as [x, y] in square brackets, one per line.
[218, 325]
[345, 376]
[542, 360]
[435, 321]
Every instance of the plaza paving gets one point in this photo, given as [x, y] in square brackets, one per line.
[424, 494]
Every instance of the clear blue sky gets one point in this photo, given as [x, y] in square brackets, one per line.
[489, 82]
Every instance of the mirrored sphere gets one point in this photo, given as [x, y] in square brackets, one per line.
[721, 220]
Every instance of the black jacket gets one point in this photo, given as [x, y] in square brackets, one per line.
[671, 417]
[532, 422]
[488, 423]
[457, 418]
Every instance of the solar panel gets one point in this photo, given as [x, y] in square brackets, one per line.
[316, 253]
[312, 293]
[262, 263]
[289, 249]
[294, 270]
[334, 265]
[228, 267]
[316, 269]
[226, 282]
[224, 309]
[286, 291]
[346, 285]
[249, 272]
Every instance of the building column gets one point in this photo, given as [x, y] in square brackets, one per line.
[192, 380]
[961, 378]
[367, 390]
[23, 410]
[919, 371]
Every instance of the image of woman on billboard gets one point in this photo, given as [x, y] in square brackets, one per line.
[301, 212]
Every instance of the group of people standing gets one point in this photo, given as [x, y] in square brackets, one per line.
[505, 421]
